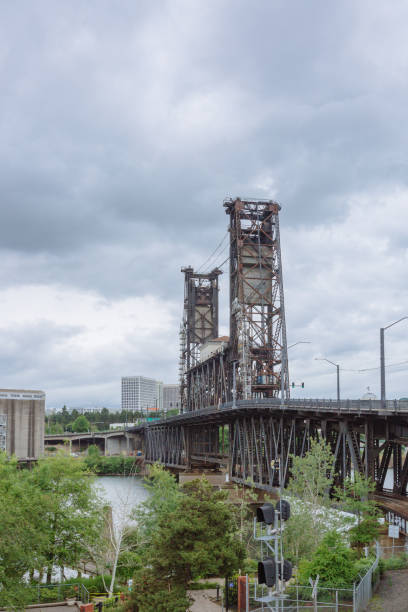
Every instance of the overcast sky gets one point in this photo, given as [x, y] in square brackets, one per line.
[125, 124]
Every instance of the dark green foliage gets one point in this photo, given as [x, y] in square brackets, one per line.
[153, 594]
[199, 538]
[186, 533]
[365, 532]
[333, 561]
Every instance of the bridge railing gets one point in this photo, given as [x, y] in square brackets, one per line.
[322, 405]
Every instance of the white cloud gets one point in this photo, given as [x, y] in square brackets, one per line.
[63, 340]
[344, 281]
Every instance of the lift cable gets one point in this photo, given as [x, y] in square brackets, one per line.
[214, 252]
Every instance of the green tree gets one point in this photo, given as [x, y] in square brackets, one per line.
[309, 486]
[312, 475]
[354, 497]
[198, 539]
[333, 561]
[81, 424]
[153, 594]
[71, 510]
[23, 537]
[301, 535]
[164, 498]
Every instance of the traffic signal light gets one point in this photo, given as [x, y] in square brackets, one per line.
[265, 514]
[303, 385]
[283, 508]
[267, 572]
[293, 385]
[285, 572]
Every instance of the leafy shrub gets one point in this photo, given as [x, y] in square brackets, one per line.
[93, 584]
[333, 561]
[110, 465]
[400, 562]
[201, 586]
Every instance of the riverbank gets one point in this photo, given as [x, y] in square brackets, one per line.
[113, 466]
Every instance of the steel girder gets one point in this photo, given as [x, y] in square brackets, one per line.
[262, 447]
[210, 382]
[178, 446]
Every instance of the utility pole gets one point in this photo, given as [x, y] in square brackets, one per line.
[382, 358]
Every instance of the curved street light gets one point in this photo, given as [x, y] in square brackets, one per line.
[382, 357]
[337, 366]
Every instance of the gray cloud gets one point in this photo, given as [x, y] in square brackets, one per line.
[123, 129]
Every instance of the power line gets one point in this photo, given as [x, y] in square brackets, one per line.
[390, 365]
[214, 252]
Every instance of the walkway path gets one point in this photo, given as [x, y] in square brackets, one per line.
[392, 594]
[202, 601]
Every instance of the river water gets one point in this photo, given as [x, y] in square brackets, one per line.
[123, 493]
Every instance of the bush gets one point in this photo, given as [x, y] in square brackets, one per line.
[93, 584]
[394, 563]
[151, 593]
[333, 561]
[110, 465]
[201, 586]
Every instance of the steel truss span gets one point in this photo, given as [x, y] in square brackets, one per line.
[256, 439]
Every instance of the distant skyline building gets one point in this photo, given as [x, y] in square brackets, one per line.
[171, 397]
[141, 393]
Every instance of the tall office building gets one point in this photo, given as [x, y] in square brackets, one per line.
[141, 393]
[171, 397]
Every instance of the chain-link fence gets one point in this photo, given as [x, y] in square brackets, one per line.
[301, 598]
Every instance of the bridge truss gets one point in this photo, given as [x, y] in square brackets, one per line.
[256, 440]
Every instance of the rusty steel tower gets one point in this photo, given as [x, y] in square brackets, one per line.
[258, 346]
[199, 324]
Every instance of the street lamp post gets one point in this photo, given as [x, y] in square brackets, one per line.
[382, 358]
[338, 373]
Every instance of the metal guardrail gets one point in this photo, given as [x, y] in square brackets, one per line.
[389, 407]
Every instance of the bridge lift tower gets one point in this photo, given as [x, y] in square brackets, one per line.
[258, 345]
[199, 324]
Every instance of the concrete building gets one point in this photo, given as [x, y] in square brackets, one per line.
[171, 397]
[22, 423]
[141, 393]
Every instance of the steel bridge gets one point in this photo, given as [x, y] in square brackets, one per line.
[256, 439]
[236, 406]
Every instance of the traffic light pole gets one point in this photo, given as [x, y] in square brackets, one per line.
[273, 571]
